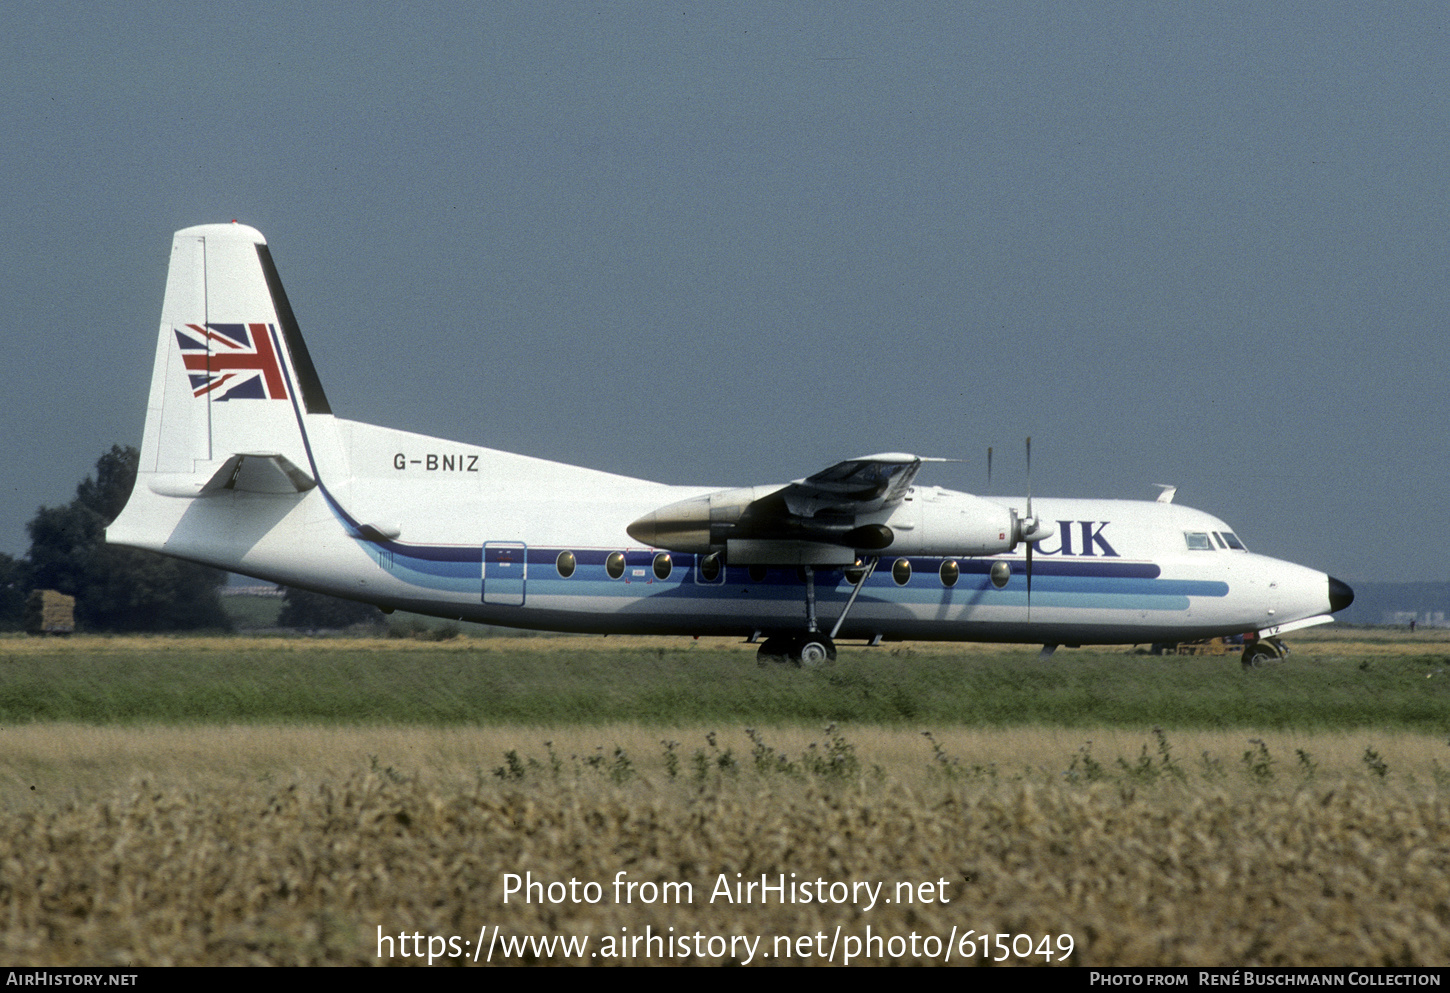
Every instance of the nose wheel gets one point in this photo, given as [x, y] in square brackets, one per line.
[1265, 652]
[805, 650]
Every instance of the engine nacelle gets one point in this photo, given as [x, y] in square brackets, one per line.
[755, 524]
[934, 521]
[700, 524]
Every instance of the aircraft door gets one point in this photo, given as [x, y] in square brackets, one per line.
[505, 570]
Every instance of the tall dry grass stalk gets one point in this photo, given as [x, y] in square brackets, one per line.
[294, 845]
[51, 763]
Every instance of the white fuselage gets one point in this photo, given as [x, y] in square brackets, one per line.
[479, 535]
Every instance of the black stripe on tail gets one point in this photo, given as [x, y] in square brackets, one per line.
[313, 399]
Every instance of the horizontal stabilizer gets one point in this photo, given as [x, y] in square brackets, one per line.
[248, 472]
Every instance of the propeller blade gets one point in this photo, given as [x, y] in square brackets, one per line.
[1029, 475]
[1029, 582]
[989, 468]
[1034, 528]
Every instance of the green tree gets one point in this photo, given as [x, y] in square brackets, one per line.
[14, 585]
[116, 588]
[311, 611]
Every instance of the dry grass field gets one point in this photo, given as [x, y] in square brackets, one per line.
[158, 833]
[294, 845]
[48, 764]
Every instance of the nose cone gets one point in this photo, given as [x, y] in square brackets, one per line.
[1340, 595]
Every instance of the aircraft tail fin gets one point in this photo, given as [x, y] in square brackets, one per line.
[235, 405]
[232, 374]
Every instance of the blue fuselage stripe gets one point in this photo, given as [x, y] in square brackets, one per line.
[1084, 585]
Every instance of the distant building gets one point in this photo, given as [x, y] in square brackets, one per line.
[1397, 604]
[1425, 619]
[267, 590]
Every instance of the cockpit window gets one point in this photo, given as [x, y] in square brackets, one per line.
[1233, 541]
[1219, 538]
[1198, 541]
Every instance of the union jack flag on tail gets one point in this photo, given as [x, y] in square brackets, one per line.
[232, 361]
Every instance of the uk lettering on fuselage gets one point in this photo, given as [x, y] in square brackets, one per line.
[1091, 541]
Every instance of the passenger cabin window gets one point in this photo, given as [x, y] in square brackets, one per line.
[1198, 541]
[614, 565]
[901, 571]
[565, 563]
[950, 572]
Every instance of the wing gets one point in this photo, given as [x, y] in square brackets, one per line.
[819, 519]
[854, 487]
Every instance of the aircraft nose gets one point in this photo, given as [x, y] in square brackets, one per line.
[1340, 595]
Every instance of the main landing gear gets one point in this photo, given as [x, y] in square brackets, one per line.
[812, 648]
[804, 650]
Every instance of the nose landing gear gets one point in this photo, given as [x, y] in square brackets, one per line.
[1264, 652]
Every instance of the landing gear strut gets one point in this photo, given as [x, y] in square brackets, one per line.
[814, 647]
[809, 650]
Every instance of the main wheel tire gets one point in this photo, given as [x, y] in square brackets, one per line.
[815, 650]
[775, 651]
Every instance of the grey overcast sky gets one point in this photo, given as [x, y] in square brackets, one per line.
[733, 243]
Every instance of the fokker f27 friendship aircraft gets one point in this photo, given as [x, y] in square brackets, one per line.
[244, 467]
